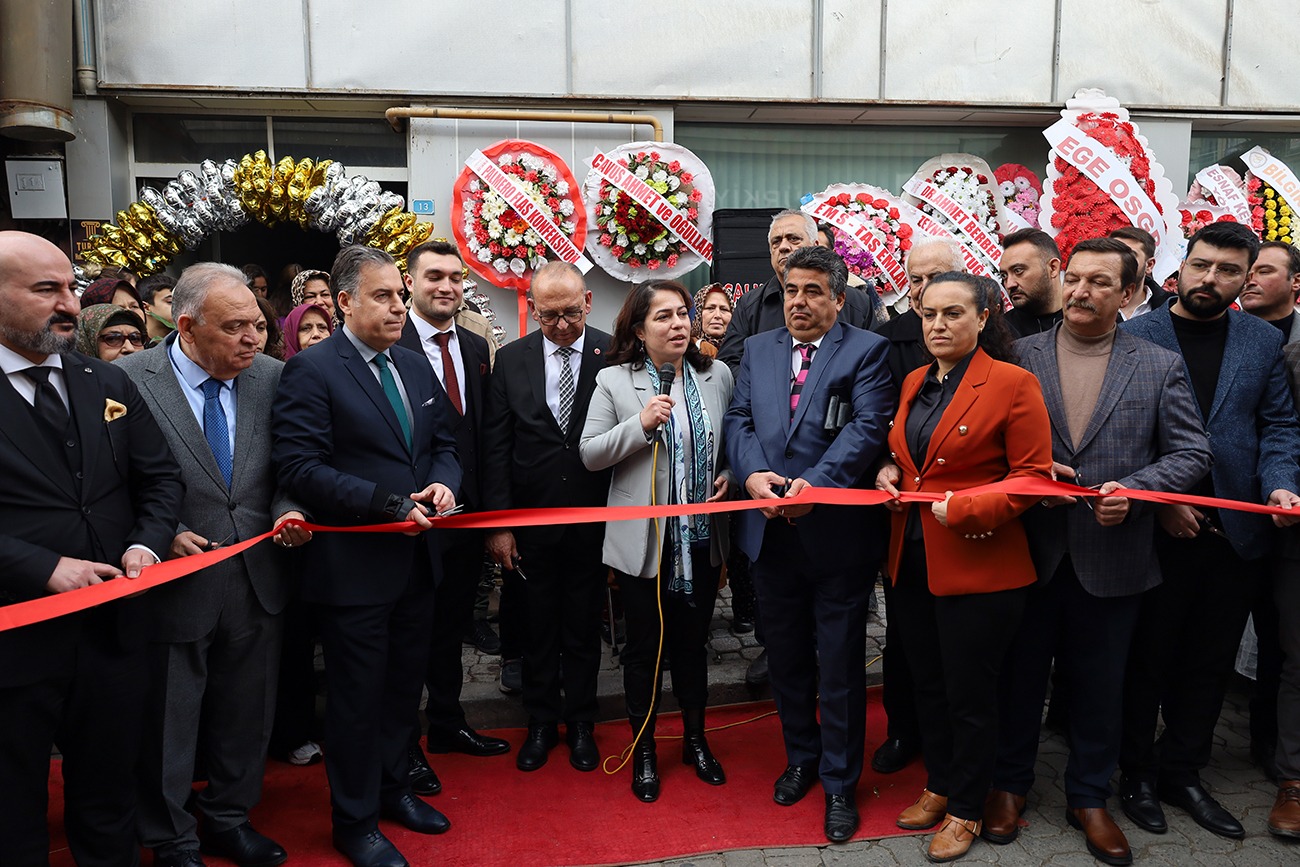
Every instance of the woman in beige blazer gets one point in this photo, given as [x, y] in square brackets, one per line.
[634, 429]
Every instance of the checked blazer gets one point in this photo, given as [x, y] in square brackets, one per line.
[1145, 433]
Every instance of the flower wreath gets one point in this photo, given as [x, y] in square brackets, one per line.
[1271, 216]
[1020, 189]
[625, 238]
[501, 247]
[967, 180]
[1201, 207]
[878, 209]
[1076, 207]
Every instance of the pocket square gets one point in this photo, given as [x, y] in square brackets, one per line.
[428, 402]
[113, 410]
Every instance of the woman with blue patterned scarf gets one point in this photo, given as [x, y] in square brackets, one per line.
[667, 569]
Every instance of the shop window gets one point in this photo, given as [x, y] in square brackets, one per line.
[174, 138]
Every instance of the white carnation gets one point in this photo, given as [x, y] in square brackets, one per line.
[642, 172]
[660, 176]
[501, 265]
[621, 240]
[566, 208]
[639, 249]
[484, 255]
[674, 182]
[660, 245]
[562, 188]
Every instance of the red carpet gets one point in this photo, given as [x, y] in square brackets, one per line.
[558, 816]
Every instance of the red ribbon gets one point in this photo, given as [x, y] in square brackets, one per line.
[57, 605]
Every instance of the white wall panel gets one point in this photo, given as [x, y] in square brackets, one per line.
[969, 51]
[1263, 72]
[851, 49]
[755, 49]
[240, 45]
[1159, 52]
[419, 46]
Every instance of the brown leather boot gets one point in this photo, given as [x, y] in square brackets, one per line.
[925, 813]
[953, 840]
[1284, 819]
[1106, 842]
[1002, 812]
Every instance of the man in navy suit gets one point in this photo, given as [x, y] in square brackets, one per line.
[459, 358]
[362, 435]
[811, 407]
[1189, 626]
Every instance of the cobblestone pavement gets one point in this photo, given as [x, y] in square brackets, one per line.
[1232, 778]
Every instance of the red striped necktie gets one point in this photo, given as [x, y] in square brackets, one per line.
[805, 362]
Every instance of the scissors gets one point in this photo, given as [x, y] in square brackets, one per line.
[212, 546]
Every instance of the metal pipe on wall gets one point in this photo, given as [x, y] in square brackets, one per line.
[83, 24]
[36, 71]
[395, 115]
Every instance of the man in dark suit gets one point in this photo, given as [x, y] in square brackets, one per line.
[811, 407]
[216, 636]
[537, 402]
[1190, 626]
[1122, 416]
[362, 435]
[90, 493]
[459, 358]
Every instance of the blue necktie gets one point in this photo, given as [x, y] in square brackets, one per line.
[215, 428]
[394, 396]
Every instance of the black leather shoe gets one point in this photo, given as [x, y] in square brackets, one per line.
[696, 754]
[645, 773]
[179, 858]
[484, 638]
[541, 738]
[1138, 801]
[581, 737]
[466, 740]
[793, 784]
[742, 625]
[415, 815]
[1204, 810]
[756, 674]
[892, 756]
[368, 849]
[244, 846]
[841, 818]
[422, 778]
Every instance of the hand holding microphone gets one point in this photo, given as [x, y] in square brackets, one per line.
[659, 408]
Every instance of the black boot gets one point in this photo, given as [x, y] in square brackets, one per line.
[695, 749]
[645, 767]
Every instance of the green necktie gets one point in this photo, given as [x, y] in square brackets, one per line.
[394, 396]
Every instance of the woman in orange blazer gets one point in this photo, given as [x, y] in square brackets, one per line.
[960, 567]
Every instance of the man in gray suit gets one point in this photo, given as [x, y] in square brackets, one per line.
[1122, 416]
[216, 634]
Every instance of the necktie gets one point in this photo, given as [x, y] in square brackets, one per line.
[48, 405]
[567, 389]
[215, 428]
[394, 396]
[449, 380]
[805, 362]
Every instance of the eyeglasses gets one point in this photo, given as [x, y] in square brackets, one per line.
[115, 340]
[1217, 272]
[550, 317]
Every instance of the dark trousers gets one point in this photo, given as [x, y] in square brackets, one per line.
[897, 693]
[685, 633]
[295, 700]
[225, 680]
[1268, 662]
[815, 625]
[1287, 589]
[375, 658]
[563, 591]
[956, 646]
[93, 715]
[512, 615]
[453, 612]
[1182, 655]
[1090, 636]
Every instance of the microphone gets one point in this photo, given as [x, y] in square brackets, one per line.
[667, 374]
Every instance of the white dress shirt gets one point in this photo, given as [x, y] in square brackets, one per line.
[12, 364]
[191, 378]
[428, 342]
[368, 354]
[553, 361]
[796, 357]
[1144, 307]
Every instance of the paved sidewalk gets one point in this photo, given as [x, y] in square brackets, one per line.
[1232, 778]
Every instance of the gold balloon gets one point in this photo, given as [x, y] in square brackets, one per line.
[318, 173]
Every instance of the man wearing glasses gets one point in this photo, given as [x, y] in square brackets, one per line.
[537, 403]
[1189, 626]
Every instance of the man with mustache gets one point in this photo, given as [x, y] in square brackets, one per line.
[1211, 559]
[91, 493]
[1122, 416]
[1031, 274]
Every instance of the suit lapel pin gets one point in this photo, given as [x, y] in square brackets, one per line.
[596, 351]
[961, 429]
[89, 370]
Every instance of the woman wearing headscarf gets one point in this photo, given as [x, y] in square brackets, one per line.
[712, 316]
[108, 332]
[312, 287]
[113, 290]
[306, 325]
